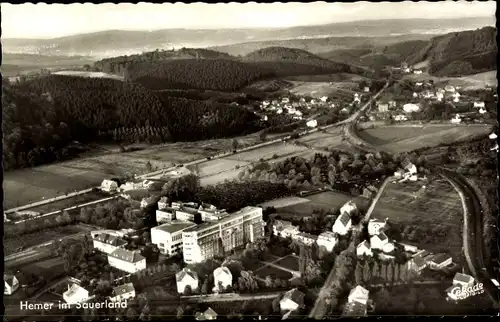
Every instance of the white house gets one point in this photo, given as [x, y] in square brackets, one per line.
[342, 224]
[383, 107]
[366, 89]
[11, 284]
[291, 231]
[479, 104]
[266, 103]
[344, 110]
[328, 240]
[279, 111]
[417, 72]
[456, 95]
[359, 294]
[364, 249]
[265, 118]
[456, 100]
[292, 300]
[313, 101]
[409, 167]
[208, 315]
[108, 243]
[285, 100]
[298, 113]
[392, 104]
[400, 117]
[482, 111]
[493, 136]
[388, 247]
[302, 100]
[408, 108]
[439, 96]
[306, 238]
[186, 277]
[495, 148]
[449, 88]
[163, 203]
[312, 123]
[378, 241]
[122, 293]
[109, 186]
[456, 119]
[279, 225]
[75, 294]
[464, 280]
[165, 215]
[440, 261]
[415, 95]
[349, 207]
[324, 99]
[168, 237]
[427, 94]
[375, 226]
[222, 279]
[418, 84]
[127, 261]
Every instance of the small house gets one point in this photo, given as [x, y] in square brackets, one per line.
[11, 284]
[108, 243]
[209, 314]
[364, 249]
[266, 103]
[417, 264]
[456, 119]
[493, 136]
[123, 293]
[400, 173]
[440, 261]
[312, 123]
[449, 88]
[127, 261]
[479, 104]
[409, 167]
[109, 186]
[366, 89]
[292, 300]
[378, 241]
[417, 72]
[409, 108]
[388, 247]
[163, 203]
[222, 279]
[349, 207]
[418, 84]
[306, 238]
[75, 294]
[328, 240]
[376, 226]
[415, 95]
[482, 111]
[285, 100]
[400, 118]
[359, 294]
[342, 225]
[464, 280]
[382, 108]
[324, 99]
[185, 278]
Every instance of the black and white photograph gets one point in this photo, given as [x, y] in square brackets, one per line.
[256, 161]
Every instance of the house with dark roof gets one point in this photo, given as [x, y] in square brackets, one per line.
[292, 300]
[359, 294]
[209, 314]
[126, 260]
[107, 243]
[11, 284]
[364, 249]
[440, 261]
[378, 241]
[123, 292]
[185, 278]
[417, 264]
[464, 280]
[342, 224]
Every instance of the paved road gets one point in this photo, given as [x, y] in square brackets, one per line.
[377, 197]
[226, 297]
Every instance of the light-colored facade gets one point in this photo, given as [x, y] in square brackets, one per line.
[463, 280]
[305, 238]
[375, 226]
[123, 293]
[108, 243]
[440, 261]
[11, 284]
[349, 207]
[388, 247]
[222, 279]
[359, 294]
[211, 213]
[163, 203]
[328, 240]
[185, 278]
[168, 237]
[292, 300]
[364, 249]
[342, 224]
[164, 216]
[378, 241]
[75, 294]
[211, 238]
[127, 261]
[109, 186]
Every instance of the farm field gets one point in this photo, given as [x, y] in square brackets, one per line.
[220, 177]
[11, 244]
[437, 204]
[273, 272]
[69, 202]
[213, 167]
[469, 82]
[344, 89]
[47, 268]
[291, 262]
[267, 152]
[332, 139]
[404, 139]
[284, 202]
[325, 200]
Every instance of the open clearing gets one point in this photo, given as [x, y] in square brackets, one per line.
[284, 202]
[267, 152]
[290, 262]
[438, 203]
[332, 139]
[469, 82]
[399, 139]
[319, 89]
[13, 243]
[325, 200]
[273, 272]
[69, 202]
[213, 167]
[46, 268]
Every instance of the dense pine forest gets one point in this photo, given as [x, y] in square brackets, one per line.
[43, 116]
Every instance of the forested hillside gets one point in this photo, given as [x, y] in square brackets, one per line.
[118, 65]
[41, 117]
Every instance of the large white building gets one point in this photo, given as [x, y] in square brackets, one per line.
[364, 249]
[108, 243]
[342, 224]
[168, 237]
[378, 241]
[222, 279]
[127, 261]
[109, 186]
[75, 294]
[212, 238]
[211, 213]
[328, 240]
[122, 293]
[185, 278]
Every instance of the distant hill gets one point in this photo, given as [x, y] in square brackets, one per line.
[120, 42]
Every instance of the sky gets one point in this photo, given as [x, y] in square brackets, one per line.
[56, 20]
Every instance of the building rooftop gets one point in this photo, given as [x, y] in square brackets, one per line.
[224, 220]
[344, 219]
[110, 239]
[123, 289]
[295, 295]
[364, 244]
[459, 277]
[9, 279]
[74, 289]
[222, 271]
[186, 272]
[440, 258]
[127, 255]
[307, 235]
[174, 226]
